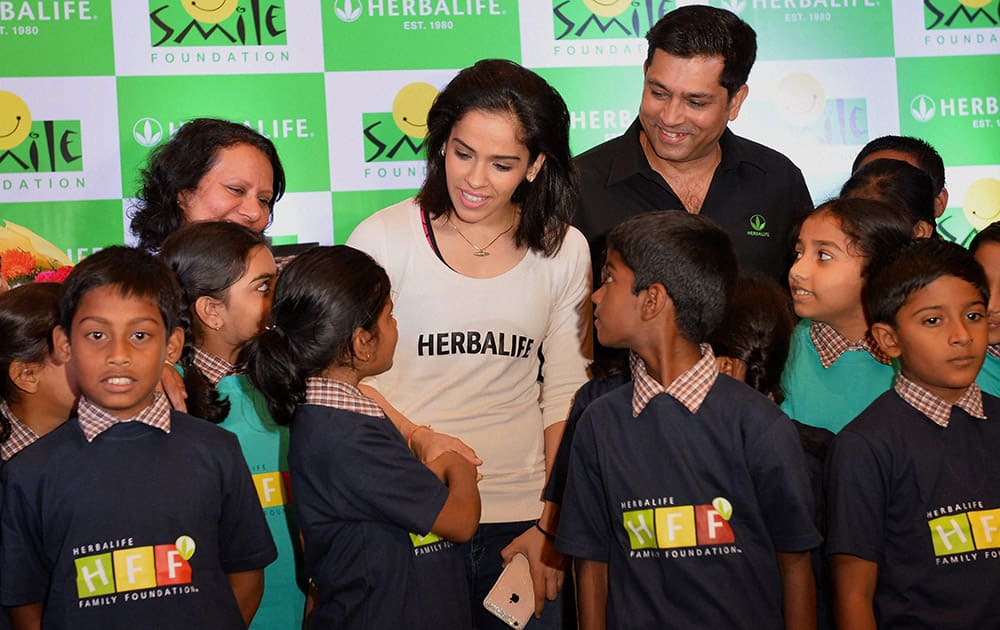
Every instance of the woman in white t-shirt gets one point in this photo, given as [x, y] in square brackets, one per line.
[489, 279]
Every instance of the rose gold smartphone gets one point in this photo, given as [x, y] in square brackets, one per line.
[512, 598]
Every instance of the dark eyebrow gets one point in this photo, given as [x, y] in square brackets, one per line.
[515, 158]
[660, 86]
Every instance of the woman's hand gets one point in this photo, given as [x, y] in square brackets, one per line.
[429, 445]
[545, 562]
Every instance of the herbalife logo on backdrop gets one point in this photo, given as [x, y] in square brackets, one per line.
[225, 23]
[736, 6]
[950, 14]
[147, 132]
[606, 19]
[922, 108]
[347, 10]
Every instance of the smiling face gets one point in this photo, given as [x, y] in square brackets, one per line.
[617, 310]
[248, 301]
[209, 11]
[825, 278]
[117, 349]
[941, 334]
[410, 107]
[484, 164]
[988, 255]
[684, 108]
[238, 187]
[15, 120]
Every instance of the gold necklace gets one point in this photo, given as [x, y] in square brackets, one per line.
[480, 251]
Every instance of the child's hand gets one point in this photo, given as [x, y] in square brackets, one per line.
[172, 384]
[430, 445]
[450, 463]
[545, 562]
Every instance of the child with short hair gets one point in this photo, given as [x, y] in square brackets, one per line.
[986, 248]
[689, 509]
[377, 524]
[226, 273]
[834, 368]
[914, 481]
[129, 515]
[36, 393]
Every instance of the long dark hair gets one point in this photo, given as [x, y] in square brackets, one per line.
[28, 314]
[498, 85]
[180, 164]
[207, 259]
[321, 298]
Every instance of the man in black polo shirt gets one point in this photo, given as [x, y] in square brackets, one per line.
[679, 154]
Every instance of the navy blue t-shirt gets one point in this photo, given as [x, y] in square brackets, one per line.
[137, 529]
[359, 493]
[688, 510]
[923, 502]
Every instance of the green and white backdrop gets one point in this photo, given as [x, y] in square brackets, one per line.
[87, 88]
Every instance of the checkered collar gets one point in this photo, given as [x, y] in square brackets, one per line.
[993, 350]
[20, 434]
[935, 407]
[340, 395]
[214, 368]
[831, 345]
[689, 389]
[95, 421]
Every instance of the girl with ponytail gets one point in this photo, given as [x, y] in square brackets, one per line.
[226, 273]
[378, 526]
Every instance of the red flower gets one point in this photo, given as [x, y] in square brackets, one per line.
[17, 263]
[58, 275]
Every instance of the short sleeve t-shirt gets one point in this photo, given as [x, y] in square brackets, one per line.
[359, 493]
[923, 502]
[137, 529]
[688, 510]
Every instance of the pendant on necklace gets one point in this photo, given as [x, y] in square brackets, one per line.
[481, 253]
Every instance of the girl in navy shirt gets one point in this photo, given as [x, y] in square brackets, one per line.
[378, 525]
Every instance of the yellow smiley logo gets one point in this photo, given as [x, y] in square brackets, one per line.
[801, 99]
[410, 107]
[982, 202]
[974, 4]
[209, 11]
[15, 120]
[607, 8]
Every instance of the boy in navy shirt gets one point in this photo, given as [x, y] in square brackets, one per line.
[914, 480]
[129, 515]
[687, 502]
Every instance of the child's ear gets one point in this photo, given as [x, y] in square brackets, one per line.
[25, 376]
[657, 299]
[175, 344]
[209, 312]
[885, 336]
[60, 345]
[362, 342]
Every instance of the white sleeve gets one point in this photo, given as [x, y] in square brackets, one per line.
[568, 341]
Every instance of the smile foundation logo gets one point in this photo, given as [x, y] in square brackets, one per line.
[398, 136]
[216, 23]
[955, 14]
[147, 132]
[606, 19]
[347, 10]
[982, 202]
[35, 146]
[922, 108]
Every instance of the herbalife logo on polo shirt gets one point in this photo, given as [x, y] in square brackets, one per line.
[217, 23]
[606, 19]
[36, 146]
[116, 571]
[923, 108]
[660, 529]
[758, 224]
[953, 14]
[352, 10]
[964, 532]
[398, 136]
